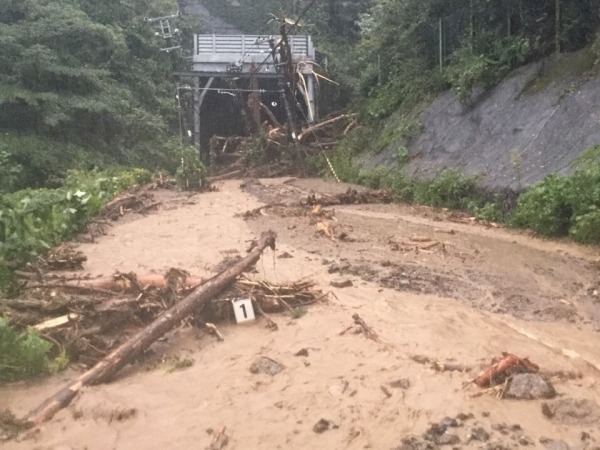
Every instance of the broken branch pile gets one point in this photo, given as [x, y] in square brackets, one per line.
[311, 206]
[350, 197]
[89, 317]
[277, 298]
[237, 155]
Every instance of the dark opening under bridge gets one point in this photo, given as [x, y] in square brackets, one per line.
[258, 58]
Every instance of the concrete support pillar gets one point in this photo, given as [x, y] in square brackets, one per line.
[199, 95]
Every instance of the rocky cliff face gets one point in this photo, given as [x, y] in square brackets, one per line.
[534, 123]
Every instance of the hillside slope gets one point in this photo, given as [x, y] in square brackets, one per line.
[212, 24]
[534, 123]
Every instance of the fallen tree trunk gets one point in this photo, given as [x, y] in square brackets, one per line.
[105, 369]
[318, 126]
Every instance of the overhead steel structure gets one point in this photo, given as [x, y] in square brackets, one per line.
[247, 56]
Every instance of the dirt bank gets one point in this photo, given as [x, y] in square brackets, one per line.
[435, 287]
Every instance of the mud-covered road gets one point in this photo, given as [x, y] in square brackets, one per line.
[436, 286]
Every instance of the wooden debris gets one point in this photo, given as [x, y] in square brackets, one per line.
[122, 283]
[56, 322]
[501, 369]
[385, 390]
[366, 329]
[350, 197]
[219, 440]
[270, 324]
[63, 257]
[441, 366]
[104, 370]
[212, 328]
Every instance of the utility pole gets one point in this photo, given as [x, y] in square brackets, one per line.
[557, 25]
[164, 30]
[441, 39]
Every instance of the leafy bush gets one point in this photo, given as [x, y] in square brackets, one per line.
[31, 221]
[558, 206]
[485, 62]
[10, 172]
[450, 189]
[22, 354]
[487, 211]
[586, 228]
[544, 207]
[191, 174]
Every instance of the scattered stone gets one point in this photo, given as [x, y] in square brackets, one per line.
[585, 436]
[448, 422]
[570, 411]
[285, 255]
[435, 430]
[485, 414]
[341, 283]
[446, 439]
[464, 417]
[496, 446]
[420, 359]
[401, 383]
[529, 386]
[479, 434]
[415, 443]
[524, 441]
[552, 444]
[301, 352]
[501, 428]
[266, 365]
[321, 426]
[546, 411]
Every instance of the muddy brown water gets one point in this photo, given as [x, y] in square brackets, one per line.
[478, 291]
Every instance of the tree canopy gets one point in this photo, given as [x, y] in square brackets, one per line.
[84, 74]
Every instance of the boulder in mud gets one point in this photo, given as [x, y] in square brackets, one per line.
[529, 386]
[267, 366]
[571, 411]
[551, 444]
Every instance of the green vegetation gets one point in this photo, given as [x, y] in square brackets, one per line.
[191, 173]
[31, 221]
[557, 206]
[22, 354]
[82, 84]
[486, 64]
[560, 206]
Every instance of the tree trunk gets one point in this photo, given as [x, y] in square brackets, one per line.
[105, 369]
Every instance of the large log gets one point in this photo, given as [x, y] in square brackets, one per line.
[105, 369]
